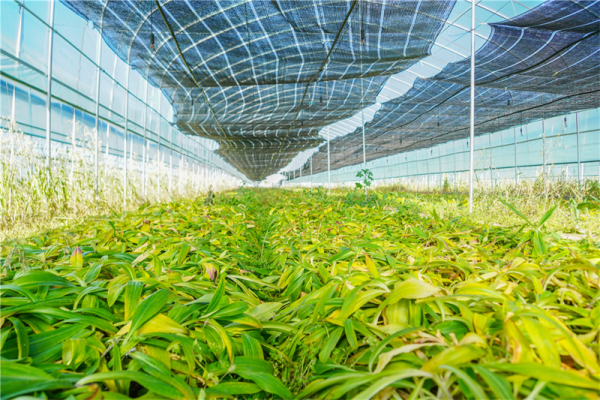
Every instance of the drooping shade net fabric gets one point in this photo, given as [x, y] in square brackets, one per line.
[264, 67]
[543, 63]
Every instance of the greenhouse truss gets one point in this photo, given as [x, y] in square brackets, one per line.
[95, 97]
[541, 64]
[263, 77]
[244, 87]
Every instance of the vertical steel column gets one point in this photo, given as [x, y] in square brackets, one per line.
[440, 164]
[107, 148]
[112, 96]
[362, 108]
[405, 177]
[516, 164]
[14, 101]
[145, 142]
[472, 125]
[545, 173]
[170, 173]
[125, 134]
[158, 187]
[197, 178]
[97, 125]
[454, 152]
[328, 165]
[417, 177]
[399, 171]
[73, 144]
[187, 167]
[49, 92]
[427, 176]
[180, 173]
[578, 154]
[491, 160]
[311, 173]
[17, 54]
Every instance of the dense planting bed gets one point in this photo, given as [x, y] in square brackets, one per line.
[293, 294]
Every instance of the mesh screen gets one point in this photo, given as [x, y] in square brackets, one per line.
[254, 59]
[543, 63]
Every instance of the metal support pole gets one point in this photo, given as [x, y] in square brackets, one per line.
[362, 108]
[49, 92]
[440, 165]
[179, 172]
[427, 176]
[328, 165]
[187, 165]
[107, 148]
[158, 155]
[17, 54]
[311, 173]
[144, 152]
[417, 178]
[544, 149]
[125, 134]
[362, 113]
[472, 125]
[491, 160]
[170, 161]
[578, 154]
[73, 146]
[14, 106]
[516, 164]
[97, 125]
[454, 152]
[13, 124]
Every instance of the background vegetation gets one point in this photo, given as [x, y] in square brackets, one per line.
[36, 197]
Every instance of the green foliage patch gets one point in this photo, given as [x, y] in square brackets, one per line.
[290, 294]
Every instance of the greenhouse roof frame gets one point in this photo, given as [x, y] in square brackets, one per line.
[517, 97]
[381, 38]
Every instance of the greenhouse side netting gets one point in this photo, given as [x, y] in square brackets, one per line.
[546, 147]
[539, 65]
[92, 90]
[262, 77]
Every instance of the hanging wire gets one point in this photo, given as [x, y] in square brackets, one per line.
[326, 101]
[151, 27]
[509, 94]
[521, 128]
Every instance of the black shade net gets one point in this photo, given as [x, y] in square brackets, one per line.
[254, 59]
[543, 63]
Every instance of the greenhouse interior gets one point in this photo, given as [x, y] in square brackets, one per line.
[300, 199]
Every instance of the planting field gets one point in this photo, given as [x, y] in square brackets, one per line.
[281, 294]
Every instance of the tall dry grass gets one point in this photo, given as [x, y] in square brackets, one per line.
[578, 210]
[578, 202]
[35, 196]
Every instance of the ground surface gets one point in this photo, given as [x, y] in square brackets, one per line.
[296, 294]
